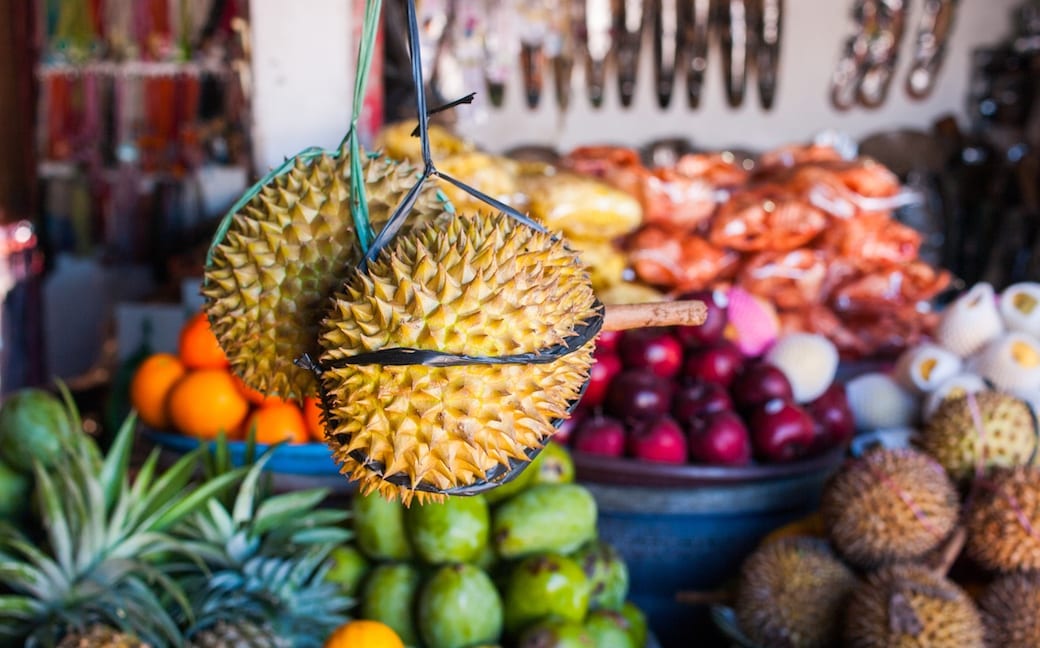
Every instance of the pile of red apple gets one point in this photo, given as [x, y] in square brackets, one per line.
[687, 394]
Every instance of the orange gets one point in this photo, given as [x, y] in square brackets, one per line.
[150, 386]
[364, 633]
[199, 348]
[312, 414]
[253, 395]
[205, 402]
[278, 422]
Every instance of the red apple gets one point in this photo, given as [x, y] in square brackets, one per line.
[835, 423]
[697, 398]
[716, 364]
[600, 435]
[759, 383]
[638, 394]
[719, 438]
[605, 367]
[654, 349]
[660, 440]
[607, 340]
[781, 431]
[714, 326]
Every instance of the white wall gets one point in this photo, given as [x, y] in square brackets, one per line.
[814, 34]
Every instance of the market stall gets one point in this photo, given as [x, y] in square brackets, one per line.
[705, 323]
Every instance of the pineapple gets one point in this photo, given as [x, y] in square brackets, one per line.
[266, 561]
[100, 573]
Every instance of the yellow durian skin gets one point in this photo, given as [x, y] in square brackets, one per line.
[269, 282]
[482, 286]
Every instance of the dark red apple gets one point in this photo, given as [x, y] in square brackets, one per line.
[759, 383]
[781, 431]
[661, 440]
[714, 325]
[607, 340]
[719, 438]
[655, 349]
[600, 435]
[566, 429]
[606, 366]
[638, 394]
[698, 398]
[835, 424]
[719, 363]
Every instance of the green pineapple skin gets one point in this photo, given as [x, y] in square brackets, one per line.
[240, 634]
[100, 636]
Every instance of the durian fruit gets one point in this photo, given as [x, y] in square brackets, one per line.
[879, 402]
[909, 606]
[888, 506]
[399, 144]
[485, 285]
[1011, 362]
[269, 281]
[1010, 609]
[1020, 307]
[1004, 521]
[958, 385]
[1003, 434]
[492, 175]
[579, 206]
[791, 594]
[810, 362]
[970, 322]
[926, 366]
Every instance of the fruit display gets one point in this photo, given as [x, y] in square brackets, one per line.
[192, 555]
[905, 554]
[520, 569]
[690, 394]
[973, 390]
[801, 227]
[195, 393]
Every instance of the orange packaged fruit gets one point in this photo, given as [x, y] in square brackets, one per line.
[151, 385]
[206, 402]
[198, 346]
[278, 422]
[252, 395]
[369, 634]
[312, 414]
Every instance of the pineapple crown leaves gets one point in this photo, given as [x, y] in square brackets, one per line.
[106, 540]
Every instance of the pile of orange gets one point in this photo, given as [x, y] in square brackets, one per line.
[195, 393]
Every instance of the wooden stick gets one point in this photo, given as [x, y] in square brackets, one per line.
[621, 317]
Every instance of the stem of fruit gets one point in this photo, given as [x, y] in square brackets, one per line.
[621, 317]
[950, 551]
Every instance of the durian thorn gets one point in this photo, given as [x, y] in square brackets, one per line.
[711, 597]
[622, 317]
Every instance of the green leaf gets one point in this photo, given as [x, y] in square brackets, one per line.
[321, 535]
[282, 509]
[54, 519]
[169, 486]
[20, 577]
[43, 563]
[19, 607]
[190, 503]
[143, 479]
[221, 520]
[247, 492]
[117, 461]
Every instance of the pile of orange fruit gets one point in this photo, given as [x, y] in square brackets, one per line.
[195, 393]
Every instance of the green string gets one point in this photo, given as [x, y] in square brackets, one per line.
[358, 198]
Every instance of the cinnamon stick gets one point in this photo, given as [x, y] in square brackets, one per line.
[621, 317]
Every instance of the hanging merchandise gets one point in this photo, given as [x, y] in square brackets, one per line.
[733, 38]
[599, 41]
[666, 49]
[768, 25]
[933, 32]
[629, 30]
[696, 35]
[501, 48]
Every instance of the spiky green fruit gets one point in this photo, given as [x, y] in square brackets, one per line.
[481, 286]
[269, 281]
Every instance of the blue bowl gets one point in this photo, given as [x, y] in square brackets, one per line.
[311, 459]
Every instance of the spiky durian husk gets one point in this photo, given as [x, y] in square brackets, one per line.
[369, 482]
[101, 636]
[888, 506]
[908, 606]
[1007, 436]
[791, 594]
[241, 634]
[1004, 521]
[1010, 609]
[269, 281]
[481, 286]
